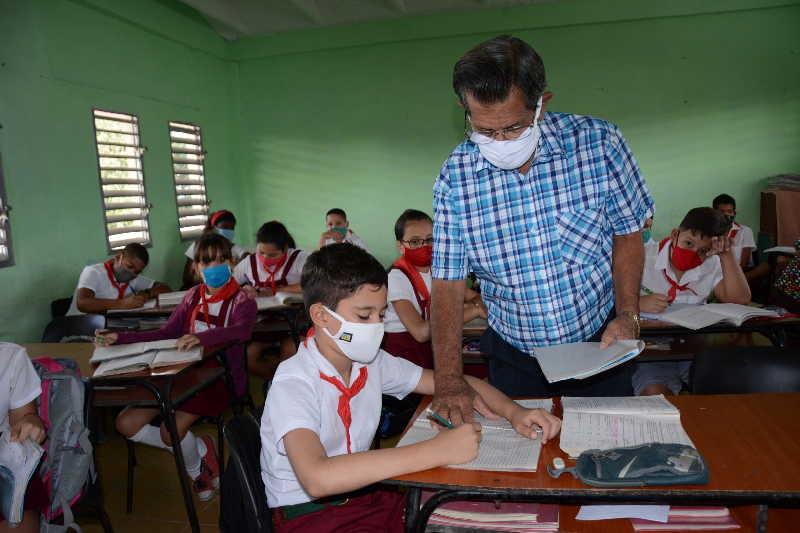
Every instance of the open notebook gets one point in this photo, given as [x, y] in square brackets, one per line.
[124, 358]
[279, 299]
[580, 360]
[701, 316]
[18, 462]
[171, 299]
[603, 423]
[502, 449]
[149, 304]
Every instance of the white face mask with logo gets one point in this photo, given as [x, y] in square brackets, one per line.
[359, 341]
[512, 154]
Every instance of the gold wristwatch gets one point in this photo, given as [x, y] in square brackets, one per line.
[636, 323]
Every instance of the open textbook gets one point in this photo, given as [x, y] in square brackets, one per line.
[124, 358]
[277, 300]
[171, 299]
[701, 316]
[580, 360]
[502, 449]
[603, 423]
[18, 463]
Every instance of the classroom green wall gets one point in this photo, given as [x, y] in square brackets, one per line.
[60, 58]
[362, 117]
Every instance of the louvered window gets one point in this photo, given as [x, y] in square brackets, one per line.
[6, 257]
[188, 171]
[119, 162]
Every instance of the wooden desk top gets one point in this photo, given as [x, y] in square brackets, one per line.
[750, 442]
[79, 351]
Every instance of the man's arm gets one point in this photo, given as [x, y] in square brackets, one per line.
[627, 263]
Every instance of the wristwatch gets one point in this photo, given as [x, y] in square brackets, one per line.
[636, 323]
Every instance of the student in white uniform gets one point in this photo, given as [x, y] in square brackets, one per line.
[275, 267]
[323, 406]
[221, 222]
[742, 241]
[690, 265]
[19, 388]
[116, 283]
[339, 230]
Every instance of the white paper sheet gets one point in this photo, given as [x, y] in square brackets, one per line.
[643, 405]
[583, 359]
[656, 513]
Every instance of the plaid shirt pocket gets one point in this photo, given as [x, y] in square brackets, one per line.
[581, 234]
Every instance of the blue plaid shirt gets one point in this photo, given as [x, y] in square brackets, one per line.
[541, 243]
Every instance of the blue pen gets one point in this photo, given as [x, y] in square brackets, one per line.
[438, 418]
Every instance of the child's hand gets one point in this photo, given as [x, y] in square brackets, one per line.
[265, 291]
[526, 422]
[187, 342]
[28, 427]
[103, 337]
[719, 245]
[653, 303]
[250, 291]
[459, 445]
[335, 235]
[133, 301]
[482, 311]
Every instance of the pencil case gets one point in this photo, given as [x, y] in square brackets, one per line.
[637, 466]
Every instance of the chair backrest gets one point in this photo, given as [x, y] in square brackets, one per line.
[745, 370]
[60, 307]
[72, 326]
[244, 443]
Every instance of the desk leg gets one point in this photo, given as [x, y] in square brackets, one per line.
[761, 518]
[413, 497]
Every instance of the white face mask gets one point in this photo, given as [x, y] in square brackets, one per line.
[510, 155]
[358, 341]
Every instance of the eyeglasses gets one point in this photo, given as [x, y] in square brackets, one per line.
[419, 243]
[486, 135]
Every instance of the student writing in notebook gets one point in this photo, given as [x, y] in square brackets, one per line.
[338, 230]
[116, 283]
[19, 388]
[687, 267]
[212, 313]
[322, 409]
[276, 266]
[222, 222]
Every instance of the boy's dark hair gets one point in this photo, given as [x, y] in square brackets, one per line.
[489, 71]
[706, 221]
[212, 247]
[136, 251]
[723, 199]
[274, 232]
[222, 215]
[409, 215]
[336, 211]
[336, 271]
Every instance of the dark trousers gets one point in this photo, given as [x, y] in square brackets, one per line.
[517, 373]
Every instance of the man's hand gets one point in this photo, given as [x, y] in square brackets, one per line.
[621, 328]
[455, 400]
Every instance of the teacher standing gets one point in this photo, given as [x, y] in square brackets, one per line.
[546, 210]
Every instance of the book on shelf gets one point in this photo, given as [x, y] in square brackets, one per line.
[495, 516]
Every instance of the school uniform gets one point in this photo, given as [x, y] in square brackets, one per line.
[352, 238]
[237, 251]
[694, 287]
[307, 392]
[741, 238]
[214, 322]
[100, 279]
[250, 271]
[397, 340]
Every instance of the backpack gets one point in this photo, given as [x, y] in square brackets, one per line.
[68, 462]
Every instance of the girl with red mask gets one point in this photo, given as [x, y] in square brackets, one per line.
[275, 267]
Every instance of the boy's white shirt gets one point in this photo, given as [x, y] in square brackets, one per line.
[400, 288]
[19, 383]
[299, 398]
[95, 278]
[244, 273]
[352, 238]
[236, 250]
[743, 239]
[701, 279]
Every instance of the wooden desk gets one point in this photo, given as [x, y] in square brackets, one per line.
[79, 351]
[772, 328]
[750, 442]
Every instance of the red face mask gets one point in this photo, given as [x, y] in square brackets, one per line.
[270, 262]
[419, 257]
[684, 259]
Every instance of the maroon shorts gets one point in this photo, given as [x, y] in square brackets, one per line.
[212, 400]
[35, 497]
[378, 511]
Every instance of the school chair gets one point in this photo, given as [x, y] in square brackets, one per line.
[746, 369]
[60, 307]
[63, 328]
[244, 501]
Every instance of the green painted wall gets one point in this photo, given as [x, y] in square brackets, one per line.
[707, 94]
[60, 58]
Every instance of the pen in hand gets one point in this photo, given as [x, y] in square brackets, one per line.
[436, 417]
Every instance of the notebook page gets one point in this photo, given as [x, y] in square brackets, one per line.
[149, 304]
[165, 344]
[168, 299]
[583, 359]
[739, 313]
[643, 405]
[266, 302]
[104, 353]
[692, 317]
[174, 357]
[124, 365]
[502, 423]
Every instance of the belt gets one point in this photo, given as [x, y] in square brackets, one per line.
[301, 509]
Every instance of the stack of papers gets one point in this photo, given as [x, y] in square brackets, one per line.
[125, 358]
[18, 463]
[171, 299]
[278, 300]
[691, 518]
[491, 516]
[603, 423]
[502, 449]
[701, 316]
[580, 360]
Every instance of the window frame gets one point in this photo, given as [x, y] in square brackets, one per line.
[6, 209]
[202, 153]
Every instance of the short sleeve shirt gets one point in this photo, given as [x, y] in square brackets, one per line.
[95, 278]
[19, 383]
[400, 288]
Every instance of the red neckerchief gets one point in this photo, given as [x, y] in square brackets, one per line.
[735, 227]
[227, 291]
[120, 288]
[674, 286]
[418, 283]
[344, 399]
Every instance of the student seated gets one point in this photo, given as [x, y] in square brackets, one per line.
[322, 409]
[213, 313]
[276, 266]
[690, 265]
[19, 388]
[741, 237]
[115, 284]
[339, 230]
[407, 324]
[222, 222]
